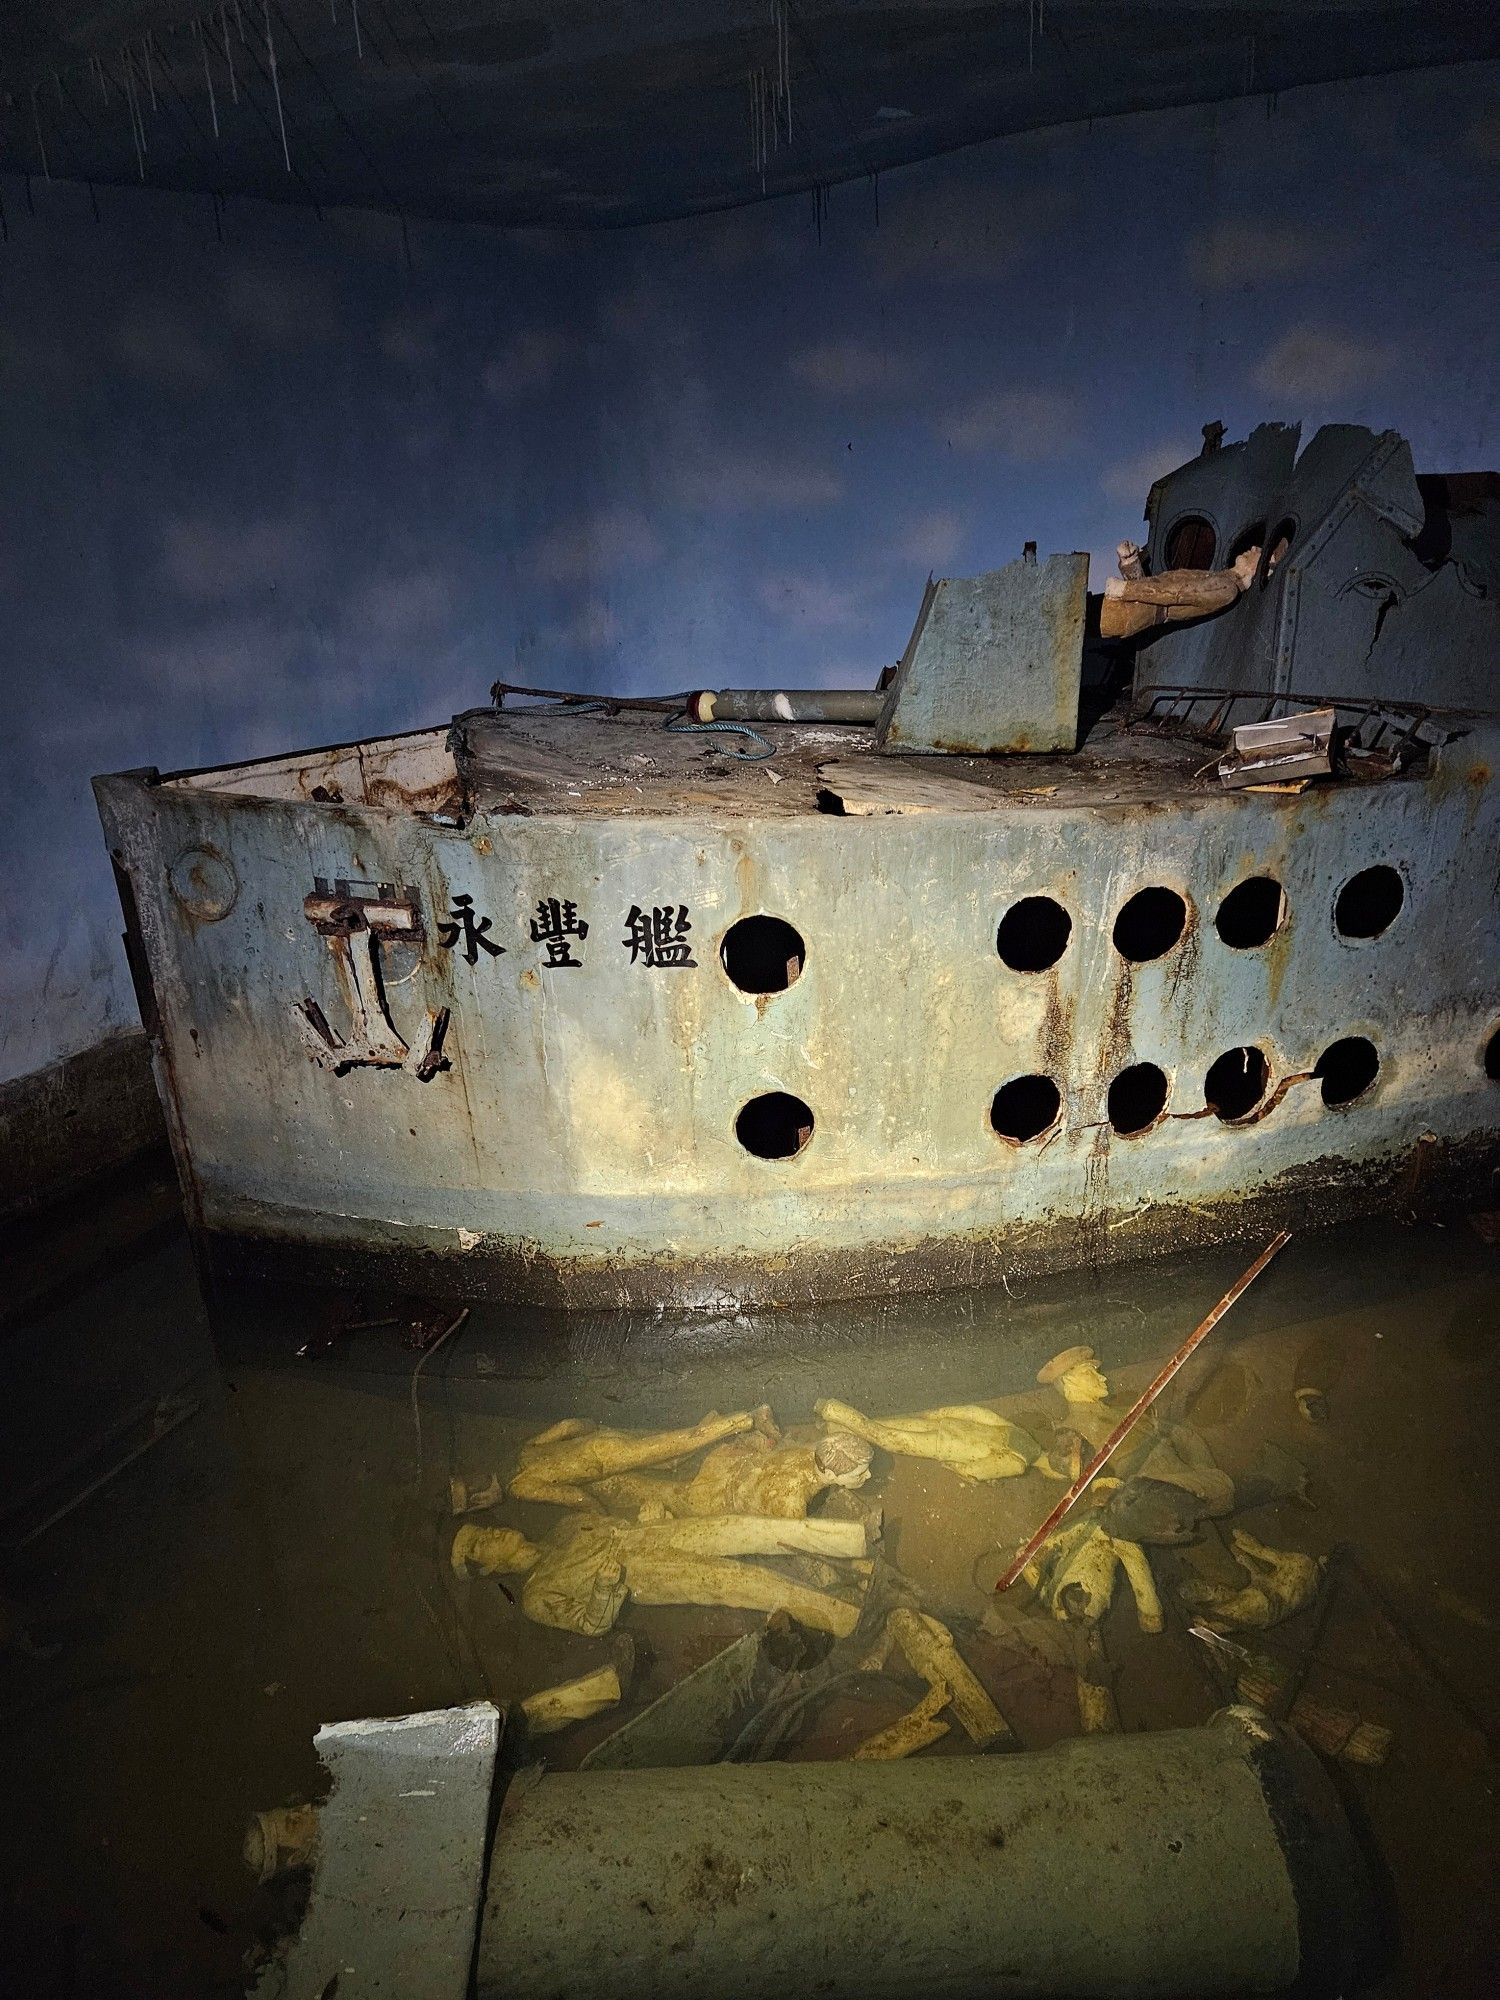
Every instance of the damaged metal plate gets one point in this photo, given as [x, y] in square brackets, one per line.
[994, 663]
[1292, 746]
[400, 1861]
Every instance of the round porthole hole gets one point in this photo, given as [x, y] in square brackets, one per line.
[1033, 934]
[1369, 902]
[1251, 913]
[1492, 1057]
[1347, 1068]
[1137, 1098]
[1191, 543]
[775, 1126]
[763, 954]
[1150, 924]
[1025, 1108]
[1236, 1083]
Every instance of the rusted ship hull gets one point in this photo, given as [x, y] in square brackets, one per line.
[558, 1118]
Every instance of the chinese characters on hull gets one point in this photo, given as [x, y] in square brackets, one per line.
[463, 922]
[658, 937]
[554, 926]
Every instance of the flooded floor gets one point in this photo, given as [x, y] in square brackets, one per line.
[281, 1556]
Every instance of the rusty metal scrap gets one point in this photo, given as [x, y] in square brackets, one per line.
[1291, 747]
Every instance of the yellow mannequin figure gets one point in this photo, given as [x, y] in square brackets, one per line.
[559, 1463]
[749, 1475]
[580, 1576]
[976, 1442]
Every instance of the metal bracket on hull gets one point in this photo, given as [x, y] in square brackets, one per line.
[352, 926]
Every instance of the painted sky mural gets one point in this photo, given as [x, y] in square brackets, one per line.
[291, 487]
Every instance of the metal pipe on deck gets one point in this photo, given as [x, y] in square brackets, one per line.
[785, 705]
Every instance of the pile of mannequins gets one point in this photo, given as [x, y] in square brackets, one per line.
[729, 1512]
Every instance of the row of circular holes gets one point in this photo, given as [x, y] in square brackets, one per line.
[765, 955]
[1028, 1107]
[776, 1126]
[1034, 933]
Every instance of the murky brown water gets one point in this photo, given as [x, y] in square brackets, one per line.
[282, 1558]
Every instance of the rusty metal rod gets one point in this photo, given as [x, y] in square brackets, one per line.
[1138, 1409]
[785, 705]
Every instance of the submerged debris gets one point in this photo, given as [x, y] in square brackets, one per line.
[748, 1475]
[581, 1575]
[1281, 1583]
[282, 1838]
[560, 1463]
[977, 1443]
[912, 1732]
[554, 1708]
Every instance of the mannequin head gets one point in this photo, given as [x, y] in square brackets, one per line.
[1077, 1374]
[842, 1459]
[496, 1551]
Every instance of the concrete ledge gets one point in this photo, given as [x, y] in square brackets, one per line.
[63, 1126]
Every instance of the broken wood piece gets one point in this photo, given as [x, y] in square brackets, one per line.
[1336, 1732]
[1093, 1679]
[912, 1732]
[862, 791]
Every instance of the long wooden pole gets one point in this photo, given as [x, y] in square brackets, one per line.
[1138, 1409]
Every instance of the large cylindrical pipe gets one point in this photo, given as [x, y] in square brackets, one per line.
[785, 705]
[1197, 1861]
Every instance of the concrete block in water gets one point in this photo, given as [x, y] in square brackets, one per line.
[401, 1847]
[1204, 1861]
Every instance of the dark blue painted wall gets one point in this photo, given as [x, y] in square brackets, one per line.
[288, 488]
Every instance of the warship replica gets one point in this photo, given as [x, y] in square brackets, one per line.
[1104, 925]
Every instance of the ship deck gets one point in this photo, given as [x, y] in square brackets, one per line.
[630, 765]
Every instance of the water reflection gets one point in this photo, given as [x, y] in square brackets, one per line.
[288, 1555]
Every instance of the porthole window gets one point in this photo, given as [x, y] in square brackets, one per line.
[1251, 913]
[1137, 1098]
[1025, 1108]
[774, 1127]
[1236, 1083]
[1033, 934]
[1347, 1068]
[762, 954]
[1369, 902]
[1190, 544]
[1492, 1057]
[1150, 924]
[1253, 537]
